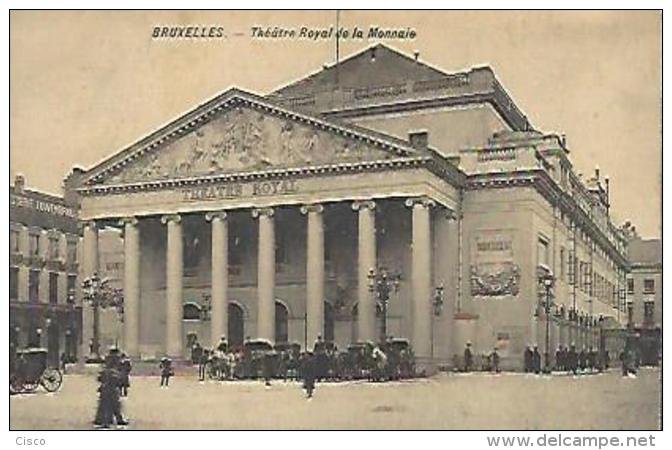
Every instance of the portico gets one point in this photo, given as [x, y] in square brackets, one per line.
[294, 215]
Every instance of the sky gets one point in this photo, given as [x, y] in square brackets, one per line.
[83, 85]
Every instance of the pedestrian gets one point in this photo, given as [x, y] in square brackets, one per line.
[125, 374]
[468, 358]
[494, 360]
[202, 364]
[268, 367]
[583, 360]
[166, 366]
[308, 370]
[527, 356]
[591, 359]
[572, 359]
[536, 360]
[109, 403]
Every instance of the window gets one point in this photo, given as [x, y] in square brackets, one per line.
[571, 268]
[54, 248]
[631, 286]
[53, 288]
[13, 283]
[34, 245]
[71, 249]
[72, 288]
[34, 286]
[648, 312]
[562, 263]
[542, 252]
[14, 241]
[649, 286]
[191, 311]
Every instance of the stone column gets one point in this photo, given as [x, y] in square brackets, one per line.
[266, 274]
[366, 260]
[219, 322]
[89, 268]
[174, 269]
[314, 272]
[421, 273]
[131, 286]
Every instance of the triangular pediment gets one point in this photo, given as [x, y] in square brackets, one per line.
[239, 132]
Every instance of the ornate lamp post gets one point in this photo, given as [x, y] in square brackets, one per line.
[547, 280]
[382, 283]
[99, 294]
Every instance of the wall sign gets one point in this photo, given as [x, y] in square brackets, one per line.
[240, 190]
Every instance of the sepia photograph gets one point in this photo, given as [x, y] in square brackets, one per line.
[335, 220]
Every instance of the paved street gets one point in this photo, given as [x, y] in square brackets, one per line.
[447, 401]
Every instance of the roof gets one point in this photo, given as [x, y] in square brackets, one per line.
[645, 251]
[380, 79]
[376, 65]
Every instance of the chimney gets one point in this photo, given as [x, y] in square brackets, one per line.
[373, 54]
[597, 173]
[416, 54]
[19, 183]
[419, 139]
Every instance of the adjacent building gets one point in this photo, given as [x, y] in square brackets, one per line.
[645, 295]
[43, 272]
[272, 216]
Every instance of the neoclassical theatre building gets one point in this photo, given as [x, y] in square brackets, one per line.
[264, 216]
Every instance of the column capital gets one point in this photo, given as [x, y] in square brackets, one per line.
[424, 202]
[82, 224]
[171, 218]
[219, 215]
[363, 204]
[131, 220]
[314, 208]
[267, 212]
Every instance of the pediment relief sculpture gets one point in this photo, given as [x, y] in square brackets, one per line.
[243, 139]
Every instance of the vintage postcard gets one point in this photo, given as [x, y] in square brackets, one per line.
[310, 220]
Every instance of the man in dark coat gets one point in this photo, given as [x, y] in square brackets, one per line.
[124, 374]
[109, 404]
[583, 360]
[203, 364]
[536, 360]
[268, 367]
[166, 367]
[468, 358]
[308, 371]
[572, 359]
[528, 359]
[494, 360]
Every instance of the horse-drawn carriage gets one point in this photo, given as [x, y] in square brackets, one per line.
[30, 370]
[400, 359]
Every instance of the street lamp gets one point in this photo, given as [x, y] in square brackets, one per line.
[437, 303]
[382, 283]
[99, 294]
[547, 280]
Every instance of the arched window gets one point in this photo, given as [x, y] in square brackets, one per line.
[281, 323]
[191, 311]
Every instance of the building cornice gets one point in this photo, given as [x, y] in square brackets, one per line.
[295, 172]
[549, 189]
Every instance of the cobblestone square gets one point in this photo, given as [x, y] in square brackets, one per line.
[446, 401]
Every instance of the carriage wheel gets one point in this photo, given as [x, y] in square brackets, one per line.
[51, 380]
[211, 370]
[15, 385]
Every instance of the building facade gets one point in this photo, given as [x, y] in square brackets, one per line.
[43, 273]
[267, 216]
[645, 295]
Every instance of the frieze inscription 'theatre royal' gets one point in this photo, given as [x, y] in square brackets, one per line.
[238, 190]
